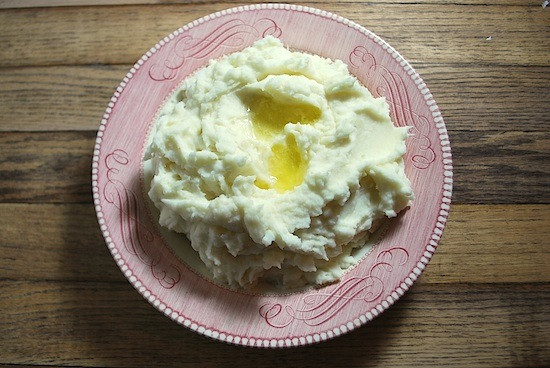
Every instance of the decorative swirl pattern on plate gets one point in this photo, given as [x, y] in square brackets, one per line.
[319, 307]
[391, 86]
[137, 238]
[229, 34]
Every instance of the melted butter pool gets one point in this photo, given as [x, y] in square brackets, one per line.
[287, 164]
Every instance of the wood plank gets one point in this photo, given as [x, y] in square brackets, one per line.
[496, 243]
[478, 97]
[489, 167]
[13, 4]
[100, 324]
[421, 32]
[56, 98]
[47, 167]
[46, 242]
[471, 97]
[501, 167]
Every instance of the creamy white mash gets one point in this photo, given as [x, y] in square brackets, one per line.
[276, 164]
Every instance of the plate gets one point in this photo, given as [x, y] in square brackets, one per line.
[256, 319]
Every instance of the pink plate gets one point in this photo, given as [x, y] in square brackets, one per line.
[269, 320]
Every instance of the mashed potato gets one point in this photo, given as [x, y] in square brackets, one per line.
[276, 164]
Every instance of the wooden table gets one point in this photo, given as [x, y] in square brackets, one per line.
[484, 300]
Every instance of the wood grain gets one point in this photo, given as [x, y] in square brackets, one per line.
[501, 167]
[46, 242]
[496, 243]
[100, 324]
[56, 98]
[51, 167]
[471, 97]
[489, 167]
[443, 33]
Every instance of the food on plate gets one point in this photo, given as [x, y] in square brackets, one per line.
[276, 164]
